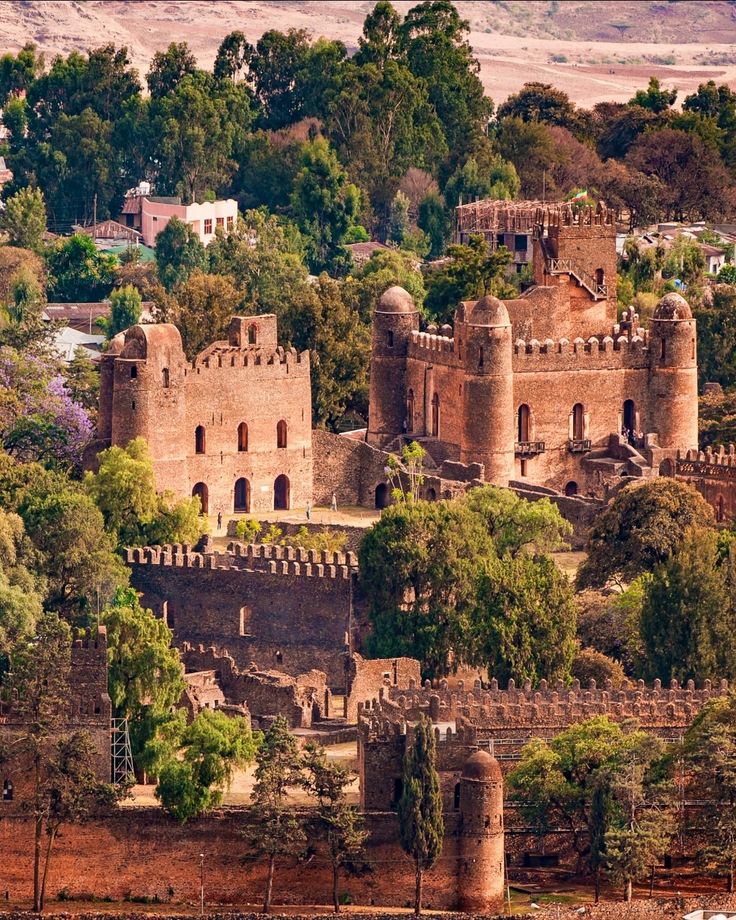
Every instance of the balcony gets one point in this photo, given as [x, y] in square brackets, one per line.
[578, 445]
[528, 448]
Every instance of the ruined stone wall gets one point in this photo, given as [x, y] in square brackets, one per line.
[349, 468]
[265, 693]
[366, 678]
[277, 607]
[713, 474]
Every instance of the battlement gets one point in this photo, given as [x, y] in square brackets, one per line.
[259, 557]
[492, 710]
[718, 464]
[222, 355]
[430, 341]
[619, 349]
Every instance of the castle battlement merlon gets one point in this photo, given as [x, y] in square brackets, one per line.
[243, 357]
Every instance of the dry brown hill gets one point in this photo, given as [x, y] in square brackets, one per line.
[593, 49]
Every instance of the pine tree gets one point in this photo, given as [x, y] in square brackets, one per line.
[421, 825]
[274, 828]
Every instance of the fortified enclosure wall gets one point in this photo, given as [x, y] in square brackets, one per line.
[504, 720]
[713, 474]
[276, 607]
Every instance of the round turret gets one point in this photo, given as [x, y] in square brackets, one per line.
[674, 381]
[484, 345]
[394, 319]
[107, 384]
[481, 871]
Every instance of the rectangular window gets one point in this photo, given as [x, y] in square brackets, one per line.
[208, 225]
[220, 221]
[230, 223]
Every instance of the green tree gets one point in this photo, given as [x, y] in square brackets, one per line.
[640, 529]
[179, 252]
[687, 611]
[327, 781]
[540, 102]
[233, 56]
[24, 218]
[383, 270]
[380, 40]
[18, 71]
[421, 825]
[168, 68]
[590, 664]
[569, 781]
[276, 67]
[144, 671]
[125, 310]
[275, 829]
[517, 525]
[419, 568]
[483, 175]
[473, 271]
[716, 330]
[524, 623]
[82, 380]
[201, 307]
[78, 271]
[194, 780]
[654, 97]
[529, 146]
[325, 205]
[27, 300]
[433, 220]
[398, 221]
[710, 756]
[21, 588]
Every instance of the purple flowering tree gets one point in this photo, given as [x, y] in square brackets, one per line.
[38, 418]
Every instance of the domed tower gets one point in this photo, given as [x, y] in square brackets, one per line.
[484, 347]
[394, 320]
[673, 391]
[149, 399]
[481, 869]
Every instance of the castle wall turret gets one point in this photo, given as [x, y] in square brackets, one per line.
[481, 871]
[485, 349]
[674, 375]
[394, 320]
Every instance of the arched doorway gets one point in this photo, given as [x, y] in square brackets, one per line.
[436, 415]
[431, 495]
[578, 422]
[241, 496]
[382, 495]
[667, 468]
[571, 488]
[201, 492]
[522, 424]
[629, 417]
[281, 493]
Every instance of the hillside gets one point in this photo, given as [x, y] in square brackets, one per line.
[593, 50]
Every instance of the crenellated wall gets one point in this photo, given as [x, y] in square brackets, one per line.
[713, 474]
[273, 606]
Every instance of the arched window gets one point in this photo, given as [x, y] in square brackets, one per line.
[571, 488]
[410, 410]
[578, 422]
[522, 424]
[281, 493]
[252, 334]
[242, 437]
[200, 491]
[165, 376]
[281, 434]
[241, 496]
[199, 440]
[382, 495]
[436, 415]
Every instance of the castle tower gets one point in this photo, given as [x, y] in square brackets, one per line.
[107, 383]
[148, 399]
[481, 864]
[394, 320]
[484, 343]
[673, 391]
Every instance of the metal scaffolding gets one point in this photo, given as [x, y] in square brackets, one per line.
[122, 753]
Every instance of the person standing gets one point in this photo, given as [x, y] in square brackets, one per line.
[334, 502]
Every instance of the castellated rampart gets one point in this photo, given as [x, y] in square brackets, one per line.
[713, 474]
[277, 607]
[233, 426]
[89, 710]
[504, 720]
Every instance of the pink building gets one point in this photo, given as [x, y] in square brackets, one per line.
[149, 215]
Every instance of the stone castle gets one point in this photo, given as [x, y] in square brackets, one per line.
[547, 388]
[233, 426]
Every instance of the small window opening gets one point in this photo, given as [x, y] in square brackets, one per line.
[281, 434]
[133, 371]
[165, 375]
[390, 339]
[456, 797]
[199, 439]
[8, 790]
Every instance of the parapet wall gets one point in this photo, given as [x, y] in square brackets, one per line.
[220, 356]
[582, 354]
